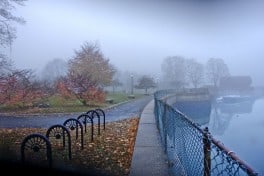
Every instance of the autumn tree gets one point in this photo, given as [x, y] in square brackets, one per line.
[194, 72]
[27, 89]
[146, 82]
[7, 21]
[89, 71]
[173, 69]
[216, 69]
[6, 69]
[19, 88]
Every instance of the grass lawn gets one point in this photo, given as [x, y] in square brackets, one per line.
[57, 104]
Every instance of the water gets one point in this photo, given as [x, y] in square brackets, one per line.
[240, 127]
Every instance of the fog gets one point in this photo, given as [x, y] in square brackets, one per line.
[137, 35]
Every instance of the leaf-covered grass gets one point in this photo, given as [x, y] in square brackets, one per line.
[110, 153]
[58, 101]
[121, 97]
[58, 104]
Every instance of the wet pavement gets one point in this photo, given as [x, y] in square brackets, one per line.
[129, 109]
[149, 157]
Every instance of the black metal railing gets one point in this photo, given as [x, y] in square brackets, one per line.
[37, 147]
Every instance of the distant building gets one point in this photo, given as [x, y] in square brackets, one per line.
[235, 84]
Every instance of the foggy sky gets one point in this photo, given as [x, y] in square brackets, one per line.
[138, 35]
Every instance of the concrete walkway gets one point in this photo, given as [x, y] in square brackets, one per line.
[149, 158]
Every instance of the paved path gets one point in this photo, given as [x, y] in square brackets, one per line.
[129, 109]
[149, 158]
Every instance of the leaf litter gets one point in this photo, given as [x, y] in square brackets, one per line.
[110, 153]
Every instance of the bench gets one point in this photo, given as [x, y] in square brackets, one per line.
[131, 96]
[109, 100]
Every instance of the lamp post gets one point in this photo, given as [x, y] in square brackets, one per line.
[157, 83]
[132, 84]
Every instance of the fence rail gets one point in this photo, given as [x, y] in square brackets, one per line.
[192, 150]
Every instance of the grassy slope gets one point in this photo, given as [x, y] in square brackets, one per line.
[58, 104]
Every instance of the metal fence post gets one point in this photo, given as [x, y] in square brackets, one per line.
[207, 152]
[165, 117]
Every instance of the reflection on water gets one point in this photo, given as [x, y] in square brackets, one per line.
[198, 111]
[240, 128]
[222, 113]
[235, 108]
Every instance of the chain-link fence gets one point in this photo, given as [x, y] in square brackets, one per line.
[192, 150]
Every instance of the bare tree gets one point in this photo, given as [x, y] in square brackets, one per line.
[173, 69]
[146, 82]
[7, 21]
[194, 72]
[116, 80]
[6, 66]
[216, 69]
[115, 83]
[54, 69]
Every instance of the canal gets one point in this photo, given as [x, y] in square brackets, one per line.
[239, 126]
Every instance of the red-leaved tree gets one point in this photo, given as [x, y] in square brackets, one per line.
[18, 88]
[88, 72]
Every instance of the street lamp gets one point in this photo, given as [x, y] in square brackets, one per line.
[132, 84]
[157, 83]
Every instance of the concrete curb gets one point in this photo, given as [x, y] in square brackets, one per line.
[149, 158]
